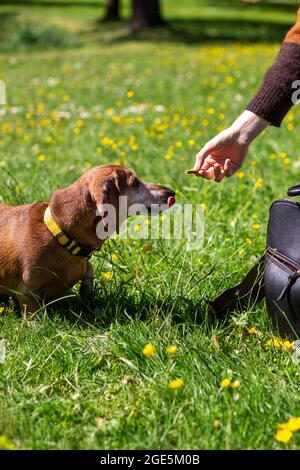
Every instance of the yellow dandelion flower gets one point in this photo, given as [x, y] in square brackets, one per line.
[149, 350]
[130, 94]
[259, 183]
[191, 142]
[106, 276]
[255, 226]
[288, 345]
[106, 141]
[276, 342]
[283, 435]
[229, 80]
[282, 155]
[137, 228]
[171, 349]
[240, 174]
[248, 241]
[293, 424]
[252, 330]
[176, 383]
[79, 122]
[2, 309]
[41, 107]
[225, 383]
[114, 257]
[272, 156]
[41, 158]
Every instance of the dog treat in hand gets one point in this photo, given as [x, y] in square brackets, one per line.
[191, 171]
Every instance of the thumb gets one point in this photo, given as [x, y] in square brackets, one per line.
[201, 156]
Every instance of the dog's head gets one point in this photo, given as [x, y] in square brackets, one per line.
[110, 182]
[117, 188]
[106, 188]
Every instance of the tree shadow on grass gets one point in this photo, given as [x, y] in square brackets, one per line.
[5, 19]
[205, 31]
[55, 3]
[227, 30]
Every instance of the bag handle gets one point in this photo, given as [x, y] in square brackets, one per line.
[294, 191]
[250, 291]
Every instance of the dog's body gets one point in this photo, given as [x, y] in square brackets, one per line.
[33, 264]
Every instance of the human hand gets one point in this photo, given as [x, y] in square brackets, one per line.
[225, 153]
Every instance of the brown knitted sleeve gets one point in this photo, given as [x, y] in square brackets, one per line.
[274, 99]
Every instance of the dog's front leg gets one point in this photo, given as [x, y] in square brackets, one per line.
[28, 304]
[87, 282]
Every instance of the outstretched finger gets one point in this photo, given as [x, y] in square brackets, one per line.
[227, 167]
[218, 173]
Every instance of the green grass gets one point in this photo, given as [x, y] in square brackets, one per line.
[75, 363]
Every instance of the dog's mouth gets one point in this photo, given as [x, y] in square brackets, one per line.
[155, 209]
[171, 201]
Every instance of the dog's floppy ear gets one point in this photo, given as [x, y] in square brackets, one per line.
[68, 204]
[106, 195]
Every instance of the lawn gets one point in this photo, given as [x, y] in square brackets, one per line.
[76, 377]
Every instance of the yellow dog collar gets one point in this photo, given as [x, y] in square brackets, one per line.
[63, 239]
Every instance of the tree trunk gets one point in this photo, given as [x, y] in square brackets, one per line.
[145, 14]
[112, 11]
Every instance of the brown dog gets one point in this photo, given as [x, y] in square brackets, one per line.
[44, 246]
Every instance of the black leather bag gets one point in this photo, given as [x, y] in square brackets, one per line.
[276, 276]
